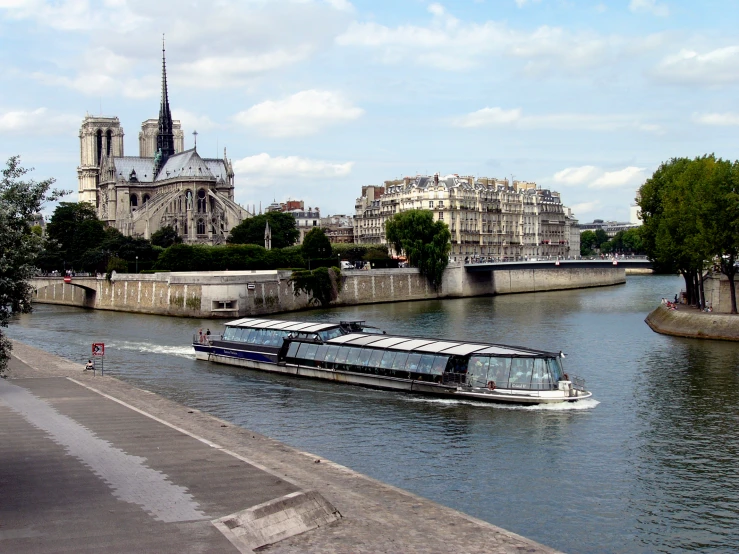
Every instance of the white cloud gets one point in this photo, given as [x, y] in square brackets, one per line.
[497, 117]
[719, 66]
[726, 119]
[576, 175]
[449, 44]
[301, 114]
[586, 207]
[626, 177]
[193, 121]
[649, 6]
[264, 170]
[37, 122]
[206, 48]
[522, 3]
[597, 178]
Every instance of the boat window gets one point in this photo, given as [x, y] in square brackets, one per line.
[353, 356]
[331, 354]
[424, 366]
[255, 336]
[412, 363]
[499, 370]
[303, 350]
[329, 334]
[321, 352]
[439, 365]
[477, 371]
[387, 359]
[540, 378]
[267, 336]
[555, 369]
[375, 358]
[521, 370]
[308, 353]
[342, 354]
[229, 333]
[364, 356]
[400, 359]
[293, 349]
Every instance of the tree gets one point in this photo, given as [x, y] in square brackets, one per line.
[316, 245]
[166, 237]
[587, 243]
[251, 231]
[75, 229]
[322, 285]
[19, 200]
[425, 242]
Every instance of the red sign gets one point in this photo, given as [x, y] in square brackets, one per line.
[98, 349]
[67, 279]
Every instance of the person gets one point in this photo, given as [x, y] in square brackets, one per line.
[676, 299]
[89, 365]
[207, 334]
[200, 335]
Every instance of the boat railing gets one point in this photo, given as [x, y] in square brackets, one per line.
[578, 383]
[199, 338]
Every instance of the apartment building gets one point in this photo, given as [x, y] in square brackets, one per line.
[487, 217]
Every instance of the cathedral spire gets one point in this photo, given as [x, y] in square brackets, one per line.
[165, 136]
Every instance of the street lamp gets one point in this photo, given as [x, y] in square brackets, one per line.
[137, 264]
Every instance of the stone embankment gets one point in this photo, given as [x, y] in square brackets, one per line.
[231, 294]
[692, 323]
[93, 464]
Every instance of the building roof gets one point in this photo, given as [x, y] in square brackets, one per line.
[185, 164]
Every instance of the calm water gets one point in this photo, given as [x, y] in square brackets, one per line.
[649, 465]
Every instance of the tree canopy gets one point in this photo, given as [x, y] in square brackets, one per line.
[251, 231]
[425, 242]
[20, 200]
[73, 230]
[316, 245]
[166, 237]
[690, 210]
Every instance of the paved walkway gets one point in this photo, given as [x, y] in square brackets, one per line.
[90, 463]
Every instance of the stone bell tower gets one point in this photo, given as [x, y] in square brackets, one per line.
[99, 137]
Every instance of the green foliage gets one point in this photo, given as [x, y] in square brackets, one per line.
[73, 230]
[166, 237]
[690, 210]
[626, 242]
[20, 200]
[116, 264]
[587, 243]
[322, 285]
[189, 257]
[425, 243]
[357, 252]
[251, 231]
[316, 244]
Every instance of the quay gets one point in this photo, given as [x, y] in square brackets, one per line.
[92, 463]
[234, 294]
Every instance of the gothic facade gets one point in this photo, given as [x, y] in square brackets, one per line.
[164, 185]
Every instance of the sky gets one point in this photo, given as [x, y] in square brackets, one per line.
[314, 99]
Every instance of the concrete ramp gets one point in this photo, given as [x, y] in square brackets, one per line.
[277, 520]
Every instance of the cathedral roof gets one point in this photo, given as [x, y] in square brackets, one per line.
[143, 168]
[185, 164]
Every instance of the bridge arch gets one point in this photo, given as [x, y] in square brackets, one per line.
[55, 290]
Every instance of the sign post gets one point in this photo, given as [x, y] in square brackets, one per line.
[98, 349]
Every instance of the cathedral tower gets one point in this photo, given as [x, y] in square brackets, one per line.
[165, 138]
[99, 137]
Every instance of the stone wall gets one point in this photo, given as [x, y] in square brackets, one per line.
[244, 293]
[718, 294]
[690, 322]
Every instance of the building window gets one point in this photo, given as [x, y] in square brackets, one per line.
[202, 202]
[441, 216]
[201, 227]
[134, 200]
[431, 203]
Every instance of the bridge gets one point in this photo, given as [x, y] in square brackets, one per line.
[626, 263]
[62, 289]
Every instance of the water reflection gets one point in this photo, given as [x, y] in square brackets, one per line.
[645, 466]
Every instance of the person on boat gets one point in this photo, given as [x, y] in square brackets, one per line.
[200, 335]
[207, 334]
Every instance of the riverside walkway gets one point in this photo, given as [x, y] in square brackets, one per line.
[91, 464]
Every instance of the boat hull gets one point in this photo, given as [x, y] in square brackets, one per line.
[262, 361]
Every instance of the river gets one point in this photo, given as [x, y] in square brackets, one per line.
[648, 465]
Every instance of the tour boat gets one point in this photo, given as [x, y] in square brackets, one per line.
[350, 352]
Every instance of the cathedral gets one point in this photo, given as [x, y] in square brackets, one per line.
[164, 185]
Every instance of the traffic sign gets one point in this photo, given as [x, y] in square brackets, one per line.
[98, 349]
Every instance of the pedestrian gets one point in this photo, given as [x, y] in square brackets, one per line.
[89, 366]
